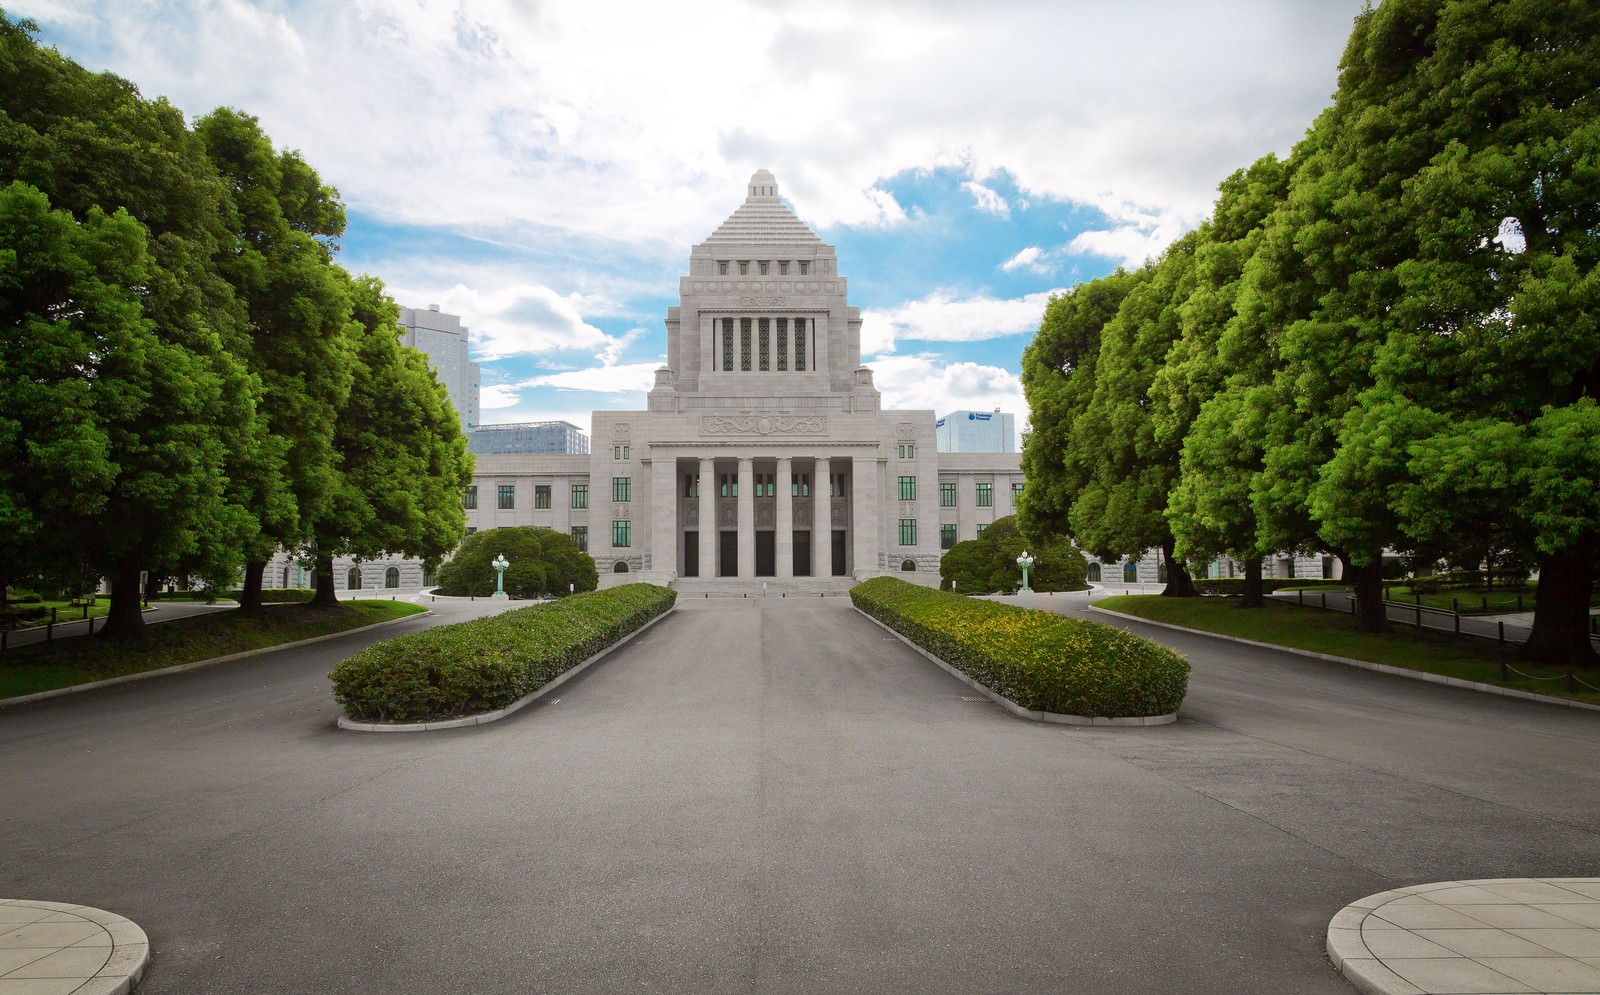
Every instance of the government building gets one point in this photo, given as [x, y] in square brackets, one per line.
[764, 454]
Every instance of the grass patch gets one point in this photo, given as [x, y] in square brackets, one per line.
[31, 615]
[84, 659]
[1333, 633]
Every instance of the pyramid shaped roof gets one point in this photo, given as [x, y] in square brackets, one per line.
[763, 219]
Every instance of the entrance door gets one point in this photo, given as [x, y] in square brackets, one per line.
[838, 553]
[691, 554]
[728, 563]
[802, 554]
[766, 554]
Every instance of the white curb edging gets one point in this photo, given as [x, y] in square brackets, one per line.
[1382, 668]
[129, 951]
[1059, 718]
[481, 718]
[197, 664]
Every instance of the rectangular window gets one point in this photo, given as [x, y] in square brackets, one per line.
[783, 344]
[908, 451]
[800, 485]
[744, 344]
[508, 496]
[722, 267]
[836, 484]
[947, 536]
[986, 495]
[580, 495]
[947, 494]
[783, 267]
[580, 537]
[805, 267]
[727, 344]
[765, 339]
[799, 345]
[469, 497]
[908, 488]
[541, 497]
[729, 484]
[744, 267]
[621, 533]
[1016, 489]
[908, 531]
[691, 485]
[763, 266]
[621, 489]
[619, 452]
[981, 530]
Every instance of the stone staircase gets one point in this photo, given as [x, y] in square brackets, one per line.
[770, 587]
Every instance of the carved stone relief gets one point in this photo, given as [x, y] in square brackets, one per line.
[763, 425]
[764, 514]
[905, 430]
[838, 516]
[622, 431]
[728, 516]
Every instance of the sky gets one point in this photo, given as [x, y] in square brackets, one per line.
[542, 168]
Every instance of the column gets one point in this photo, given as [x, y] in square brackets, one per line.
[747, 517]
[708, 518]
[664, 516]
[864, 514]
[783, 525]
[821, 520]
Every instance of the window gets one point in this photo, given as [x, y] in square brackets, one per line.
[908, 451]
[800, 485]
[947, 536]
[352, 580]
[728, 485]
[765, 343]
[727, 343]
[580, 537]
[908, 566]
[621, 533]
[908, 488]
[744, 267]
[580, 495]
[508, 496]
[1016, 489]
[836, 484]
[391, 577]
[947, 494]
[763, 266]
[620, 567]
[621, 489]
[908, 531]
[783, 267]
[471, 529]
[429, 577]
[744, 344]
[986, 495]
[541, 497]
[469, 498]
[619, 452]
[981, 530]
[783, 344]
[691, 485]
[805, 267]
[722, 267]
[1094, 573]
[799, 344]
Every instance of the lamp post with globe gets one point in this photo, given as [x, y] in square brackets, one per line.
[1026, 563]
[500, 564]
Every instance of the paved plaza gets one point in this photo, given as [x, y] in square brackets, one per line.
[776, 796]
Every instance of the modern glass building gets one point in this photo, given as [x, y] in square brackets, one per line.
[515, 438]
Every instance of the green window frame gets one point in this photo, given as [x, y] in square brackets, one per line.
[986, 495]
[981, 530]
[508, 496]
[621, 489]
[580, 537]
[947, 494]
[947, 536]
[580, 496]
[469, 498]
[908, 531]
[908, 488]
[621, 533]
[541, 497]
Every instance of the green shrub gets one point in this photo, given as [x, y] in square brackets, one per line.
[273, 595]
[1234, 586]
[1040, 660]
[542, 560]
[488, 663]
[989, 563]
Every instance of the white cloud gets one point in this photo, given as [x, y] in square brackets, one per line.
[942, 318]
[492, 397]
[987, 200]
[1028, 258]
[516, 319]
[627, 378]
[927, 382]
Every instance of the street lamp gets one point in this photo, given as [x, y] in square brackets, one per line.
[500, 564]
[1025, 562]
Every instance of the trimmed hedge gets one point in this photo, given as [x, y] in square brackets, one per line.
[1040, 660]
[1233, 587]
[488, 663]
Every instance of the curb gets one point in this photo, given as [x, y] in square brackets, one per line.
[1381, 668]
[1058, 718]
[127, 949]
[483, 718]
[197, 664]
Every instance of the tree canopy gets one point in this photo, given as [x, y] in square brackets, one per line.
[543, 562]
[989, 563]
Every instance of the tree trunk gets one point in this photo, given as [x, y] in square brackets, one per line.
[1254, 597]
[1367, 582]
[1561, 615]
[250, 595]
[125, 620]
[1179, 584]
[325, 596]
[152, 587]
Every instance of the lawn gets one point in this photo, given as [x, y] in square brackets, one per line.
[81, 660]
[1333, 633]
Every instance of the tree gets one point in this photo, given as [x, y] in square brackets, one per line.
[284, 222]
[989, 562]
[403, 463]
[543, 562]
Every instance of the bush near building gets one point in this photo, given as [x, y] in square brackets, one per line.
[989, 563]
[488, 663]
[1040, 660]
[543, 562]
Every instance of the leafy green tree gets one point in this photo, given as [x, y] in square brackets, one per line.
[284, 222]
[543, 562]
[403, 462]
[176, 408]
[989, 563]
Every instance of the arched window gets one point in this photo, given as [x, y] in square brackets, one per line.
[1161, 572]
[352, 580]
[285, 576]
[391, 577]
[1094, 573]
[428, 579]
[1130, 572]
[908, 566]
[621, 567]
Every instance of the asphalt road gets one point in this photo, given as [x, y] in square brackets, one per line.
[777, 797]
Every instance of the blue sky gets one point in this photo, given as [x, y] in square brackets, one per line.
[543, 169]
